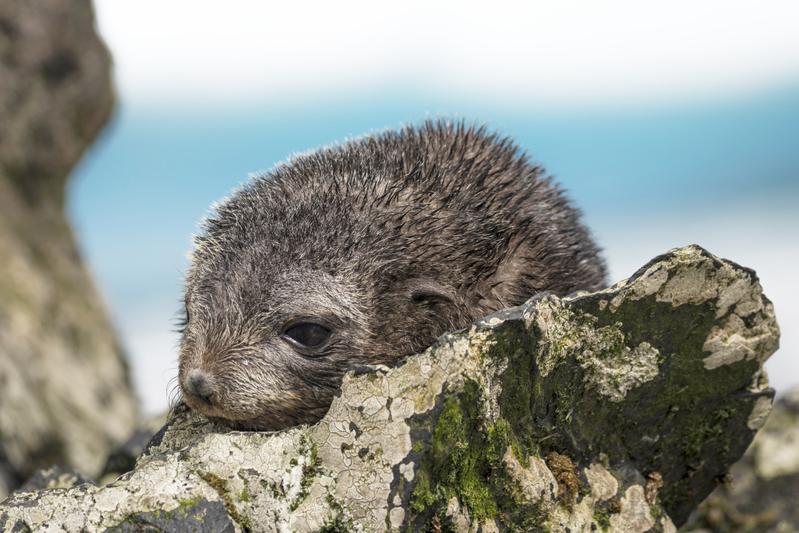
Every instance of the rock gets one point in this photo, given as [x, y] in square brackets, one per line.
[65, 394]
[55, 94]
[123, 458]
[617, 410]
[54, 477]
[760, 493]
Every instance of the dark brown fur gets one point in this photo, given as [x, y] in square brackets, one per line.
[388, 241]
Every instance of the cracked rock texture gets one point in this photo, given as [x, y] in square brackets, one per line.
[65, 395]
[617, 410]
[761, 492]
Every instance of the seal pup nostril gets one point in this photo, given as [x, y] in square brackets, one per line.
[199, 385]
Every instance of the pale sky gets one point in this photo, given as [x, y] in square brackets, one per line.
[189, 51]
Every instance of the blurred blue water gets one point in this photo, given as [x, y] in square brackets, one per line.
[139, 194]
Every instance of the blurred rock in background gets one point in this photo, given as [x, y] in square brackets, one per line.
[65, 393]
[762, 492]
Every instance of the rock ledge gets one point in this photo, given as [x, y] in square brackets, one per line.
[616, 410]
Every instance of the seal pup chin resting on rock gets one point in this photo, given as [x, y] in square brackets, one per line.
[362, 254]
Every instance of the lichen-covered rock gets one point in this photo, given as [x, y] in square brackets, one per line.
[616, 410]
[65, 395]
[762, 491]
[54, 477]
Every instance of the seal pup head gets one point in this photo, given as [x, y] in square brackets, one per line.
[362, 254]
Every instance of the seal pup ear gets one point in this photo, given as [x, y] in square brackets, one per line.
[440, 305]
[515, 276]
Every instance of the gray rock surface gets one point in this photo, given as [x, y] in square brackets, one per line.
[65, 395]
[761, 493]
[617, 410]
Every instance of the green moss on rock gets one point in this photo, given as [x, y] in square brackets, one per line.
[221, 487]
[458, 461]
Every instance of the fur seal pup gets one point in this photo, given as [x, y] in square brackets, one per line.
[364, 253]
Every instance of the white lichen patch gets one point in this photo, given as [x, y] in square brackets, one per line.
[558, 334]
[690, 276]
[407, 470]
[490, 380]
[635, 515]
[612, 368]
[734, 340]
[603, 485]
[614, 374]
[580, 517]
[666, 525]
[458, 516]
[689, 283]
[647, 284]
[741, 293]
[396, 516]
[697, 278]
[309, 515]
[759, 413]
[488, 526]
[536, 483]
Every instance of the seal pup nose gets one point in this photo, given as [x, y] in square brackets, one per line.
[198, 384]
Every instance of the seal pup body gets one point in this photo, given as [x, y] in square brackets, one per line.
[362, 254]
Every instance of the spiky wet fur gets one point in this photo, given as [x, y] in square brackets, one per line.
[391, 239]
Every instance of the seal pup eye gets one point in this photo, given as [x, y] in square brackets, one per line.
[307, 334]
